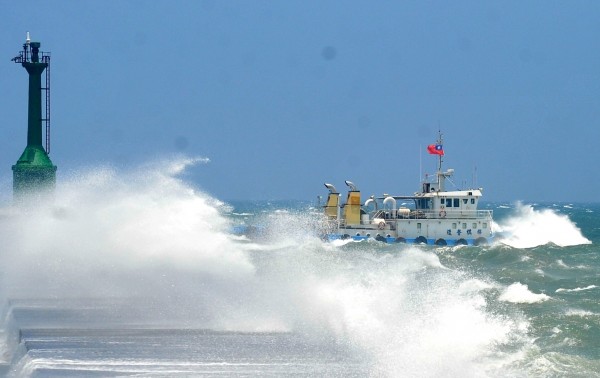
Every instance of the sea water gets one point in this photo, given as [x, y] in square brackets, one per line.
[137, 273]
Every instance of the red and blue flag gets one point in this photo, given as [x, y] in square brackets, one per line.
[435, 149]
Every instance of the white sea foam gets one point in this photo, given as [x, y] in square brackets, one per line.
[590, 287]
[474, 285]
[530, 228]
[341, 242]
[520, 293]
[579, 312]
[111, 233]
[404, 318]
[145, 234]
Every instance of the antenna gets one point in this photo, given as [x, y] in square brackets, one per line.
[440, 175]
[440, 141]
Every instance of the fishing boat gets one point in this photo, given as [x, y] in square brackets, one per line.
[434, 215]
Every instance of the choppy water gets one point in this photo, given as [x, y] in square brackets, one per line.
[137, 274]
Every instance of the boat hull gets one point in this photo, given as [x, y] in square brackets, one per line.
[467, 231]
[418, 240]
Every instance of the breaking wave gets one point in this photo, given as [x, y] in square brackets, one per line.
[163, 249]
[529, 228]
[520, 293]
[590, 287]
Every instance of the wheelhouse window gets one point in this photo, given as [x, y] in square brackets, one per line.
[456, 202]
[448, 202]
[423, 203]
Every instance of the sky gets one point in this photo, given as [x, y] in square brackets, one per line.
[283, 96]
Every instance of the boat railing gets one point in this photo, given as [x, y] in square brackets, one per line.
[390, 216]
[430, 214]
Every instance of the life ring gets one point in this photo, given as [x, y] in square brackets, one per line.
[381, 225]
[443, 213]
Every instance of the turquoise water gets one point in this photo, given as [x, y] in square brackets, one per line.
[138, 274]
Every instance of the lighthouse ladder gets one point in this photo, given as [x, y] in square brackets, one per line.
[46, 59]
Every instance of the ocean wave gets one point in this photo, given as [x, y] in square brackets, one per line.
[474, 285]
[530, 228]
[576, 289]
[579, 312]
[520, 293]
[152, 236]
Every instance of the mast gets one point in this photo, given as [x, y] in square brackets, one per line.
[440, 175]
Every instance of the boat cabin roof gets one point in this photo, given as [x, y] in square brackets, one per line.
[457, 193]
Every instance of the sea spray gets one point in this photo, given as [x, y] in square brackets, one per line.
[409, 312]
[396, 306]
[142, 233]
[142, 247]
[520, 293]
[528, 228]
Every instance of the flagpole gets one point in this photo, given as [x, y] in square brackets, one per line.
[440, 141]
[420, 165]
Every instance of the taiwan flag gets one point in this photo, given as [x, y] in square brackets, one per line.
[435, 149]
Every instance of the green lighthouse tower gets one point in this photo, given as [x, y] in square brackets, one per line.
[34, 173]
